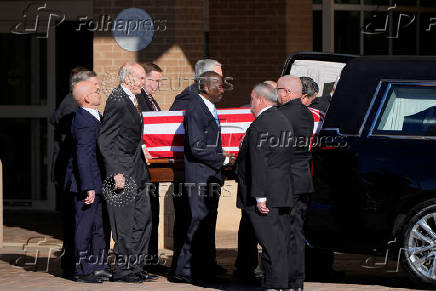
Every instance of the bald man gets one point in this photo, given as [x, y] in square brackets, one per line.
[289, 89]
[83, 181]
[121, 146]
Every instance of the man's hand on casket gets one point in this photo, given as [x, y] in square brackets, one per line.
[119, 181]
[230, 159]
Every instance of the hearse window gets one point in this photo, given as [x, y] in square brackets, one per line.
[408, 110]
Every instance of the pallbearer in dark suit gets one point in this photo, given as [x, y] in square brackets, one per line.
[181, 102]
[121, 147]
[289, 90]
[153, 74]
[203, 159]
[83, 180]
[62, 149]
[264, 170]
[247, 259]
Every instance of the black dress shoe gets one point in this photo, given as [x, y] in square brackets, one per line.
[147, 277]
[180, 279]
[103, 274]
[91, 278]
[131, 278]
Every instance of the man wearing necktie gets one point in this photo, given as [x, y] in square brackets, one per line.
[204, 159]
[121, 144]
[153, 75]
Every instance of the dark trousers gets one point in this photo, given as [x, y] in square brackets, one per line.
[68, 260]
[297, 241]
[197, 256]
[272, 232]
[247, 259]
[89, 237]
[182, 219]
[131, 229]
[153, 246]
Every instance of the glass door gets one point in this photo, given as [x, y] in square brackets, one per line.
[27, 86]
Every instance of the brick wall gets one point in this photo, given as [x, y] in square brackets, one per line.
[175, 50]
[252, 39]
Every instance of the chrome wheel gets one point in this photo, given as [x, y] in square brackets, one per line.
[421, 247]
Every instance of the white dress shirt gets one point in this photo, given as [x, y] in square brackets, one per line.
[211, 107]
[262, 199]
[132, 96]
[94, 112]
[214, 113]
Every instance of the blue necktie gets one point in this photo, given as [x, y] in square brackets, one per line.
[215, 115]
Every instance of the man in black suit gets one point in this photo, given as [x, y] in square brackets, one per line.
[181, 102]
[124, 159]
[289, 89]
[146, 102]
[83, 181]
[265, 183]
[203, 159]
[183, 99]
[62, 150]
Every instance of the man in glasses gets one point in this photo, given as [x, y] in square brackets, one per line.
[289, 90]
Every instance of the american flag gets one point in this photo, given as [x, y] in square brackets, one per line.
[318, 119]
[164, 132]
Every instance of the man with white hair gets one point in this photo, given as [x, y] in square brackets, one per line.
[265, 185]
[182, 100]
[121, 146]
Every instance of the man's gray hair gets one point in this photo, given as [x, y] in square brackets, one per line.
[82, 76]
[205, 65]
[266, 91]
[126, 70]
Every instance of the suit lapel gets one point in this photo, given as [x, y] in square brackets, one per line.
[207, 112]
[131, 106]
[89, 116]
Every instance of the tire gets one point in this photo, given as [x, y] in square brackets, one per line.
[418, 240]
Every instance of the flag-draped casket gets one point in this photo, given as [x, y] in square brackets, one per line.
[164, 137]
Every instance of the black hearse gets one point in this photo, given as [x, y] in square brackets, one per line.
[374, 167]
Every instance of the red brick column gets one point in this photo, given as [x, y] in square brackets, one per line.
[252, 39]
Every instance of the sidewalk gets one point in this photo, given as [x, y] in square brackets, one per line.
[20, 271]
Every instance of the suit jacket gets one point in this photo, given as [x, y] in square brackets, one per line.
[83, 170]
[183, 99]
[120, 138]
[264, 161]
[203, 148]
[61, 120]
[302, 122]
[321, 103]
[144, 103]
